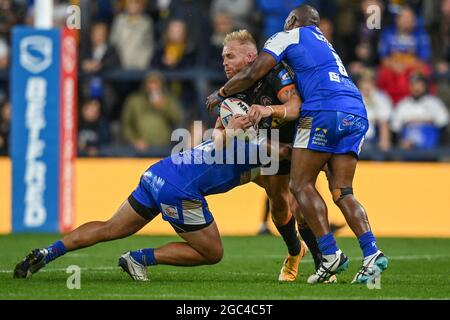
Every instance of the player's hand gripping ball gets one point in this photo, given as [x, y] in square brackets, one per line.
[233, 106]
[261, 116]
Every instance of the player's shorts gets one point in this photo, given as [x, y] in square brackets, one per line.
[286, 135]
[331, 131]
[184, 211]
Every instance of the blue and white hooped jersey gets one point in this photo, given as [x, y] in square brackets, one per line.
[320, 75]
[198, 170]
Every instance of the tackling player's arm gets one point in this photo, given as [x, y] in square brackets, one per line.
[243, 80]
[289, 110]
[221, 135]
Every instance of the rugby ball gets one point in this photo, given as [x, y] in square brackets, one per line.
[232, 106]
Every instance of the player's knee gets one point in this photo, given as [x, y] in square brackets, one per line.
[297, 187]
[341, 193]
[215, 255]
[279, 204]
[294, 187]
[281, 215]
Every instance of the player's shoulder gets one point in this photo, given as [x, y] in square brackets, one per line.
[280, 74]
[290, 36]
[275, 70]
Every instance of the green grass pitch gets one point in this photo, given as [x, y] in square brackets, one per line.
[418, 269]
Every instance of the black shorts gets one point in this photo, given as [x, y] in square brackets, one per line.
[286, 135]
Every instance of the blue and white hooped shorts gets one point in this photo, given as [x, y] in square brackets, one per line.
[331, 131]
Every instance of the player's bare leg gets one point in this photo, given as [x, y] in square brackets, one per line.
[340, 180]
[200, 247]
[307, 236]
[340, 176]
[277, 189]
[305, 167]
[123, 223]
[305, 231]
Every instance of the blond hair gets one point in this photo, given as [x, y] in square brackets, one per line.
[243, 36]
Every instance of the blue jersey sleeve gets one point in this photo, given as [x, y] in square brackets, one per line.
[277, 44]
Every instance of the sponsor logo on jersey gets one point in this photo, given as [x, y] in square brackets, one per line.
[284, 77]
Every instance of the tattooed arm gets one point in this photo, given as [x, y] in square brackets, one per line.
[289, 110]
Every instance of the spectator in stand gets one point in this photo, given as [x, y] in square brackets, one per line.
[403, 50]
[175, 52]
[93, 131]
[132, 36]
[363, 42]
[240, 12]
[149, 116]
[99, 55]
[5, 126]
[4, 54]
[327, 28]
[195, 14]
[363, 59]
[222, 25]
[10, 15]
[379, 111]
[444, 32]
[274, 13]
[441, 37]
[420, 118]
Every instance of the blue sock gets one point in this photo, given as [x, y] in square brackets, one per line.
[144, 256]
[55, 250]
[368, 243]
[327, 244]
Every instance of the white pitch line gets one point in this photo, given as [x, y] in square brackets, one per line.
[307, 260]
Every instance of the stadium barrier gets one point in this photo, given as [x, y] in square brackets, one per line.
[402, 199]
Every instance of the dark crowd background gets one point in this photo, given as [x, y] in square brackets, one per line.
[145, 68]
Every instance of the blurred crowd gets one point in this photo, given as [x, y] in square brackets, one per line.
[402, 68]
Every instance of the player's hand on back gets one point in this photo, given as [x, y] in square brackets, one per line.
[257, 112]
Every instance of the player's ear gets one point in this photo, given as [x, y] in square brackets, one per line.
[290, 21]
[250, 58]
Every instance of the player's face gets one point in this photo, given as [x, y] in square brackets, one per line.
[235, 58]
